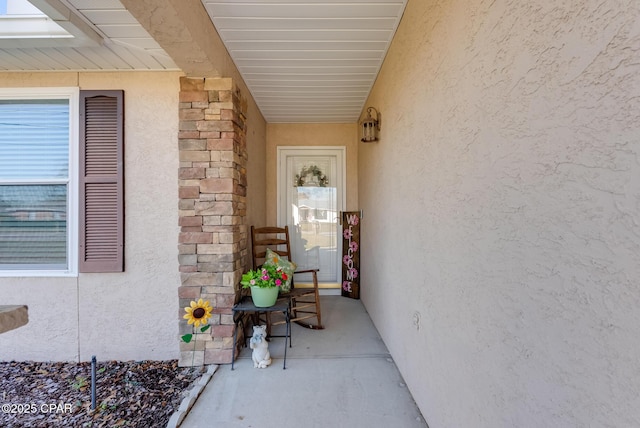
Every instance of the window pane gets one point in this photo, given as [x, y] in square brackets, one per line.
[34, 139]
[33, 227]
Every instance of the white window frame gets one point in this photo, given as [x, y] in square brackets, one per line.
[72, 94]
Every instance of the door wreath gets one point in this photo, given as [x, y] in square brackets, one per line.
[301, 178]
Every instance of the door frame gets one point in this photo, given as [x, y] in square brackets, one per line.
[341, 171]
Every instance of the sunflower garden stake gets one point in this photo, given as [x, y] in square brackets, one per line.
[197, 314]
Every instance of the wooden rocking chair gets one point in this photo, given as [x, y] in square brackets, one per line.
[305, 302]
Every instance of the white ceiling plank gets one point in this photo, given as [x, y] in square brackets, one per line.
[96, 4]
[332, 98]
[308, 105]
[305, 10]
[311, 119]
[225, 23]
[126, 31]
[309, 81]
[109, 17]
[300, 77]
[135, 59]
[292, 63]
[275, 100]
[307, 35]
[338, 45]
[269, 97]
[311, 107]
[333, 90]
[46, 62]
[104, 58]
[281, 70]
[313, 55]
[302, 118]
[115, 60]
[70, 57]
[301, 114]
[165, 61]
[162, 58]
[10, 62]
[138, 42]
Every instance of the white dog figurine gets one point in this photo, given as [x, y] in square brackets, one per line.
[260, 356]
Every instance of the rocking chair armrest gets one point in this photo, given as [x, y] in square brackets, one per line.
[307, 271]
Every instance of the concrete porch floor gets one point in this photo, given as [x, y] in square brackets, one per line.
[342, 376]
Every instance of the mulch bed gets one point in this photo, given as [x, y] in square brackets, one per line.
[128, 394]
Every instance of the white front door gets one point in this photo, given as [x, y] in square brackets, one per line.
[311, 183]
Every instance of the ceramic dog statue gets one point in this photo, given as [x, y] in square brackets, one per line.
[260, 356]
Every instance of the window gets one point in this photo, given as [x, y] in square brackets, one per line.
[38, 186]
[61, 181]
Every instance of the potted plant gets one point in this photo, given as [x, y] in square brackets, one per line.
[265, 283]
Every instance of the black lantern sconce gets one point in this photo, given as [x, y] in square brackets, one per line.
[370, 126]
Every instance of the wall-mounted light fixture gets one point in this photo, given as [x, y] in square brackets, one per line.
[370, 126]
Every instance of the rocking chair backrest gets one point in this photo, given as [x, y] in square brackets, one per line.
[274, 238]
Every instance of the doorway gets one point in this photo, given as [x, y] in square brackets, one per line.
[311, 184]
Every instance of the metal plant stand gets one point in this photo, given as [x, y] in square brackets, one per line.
[245, 305]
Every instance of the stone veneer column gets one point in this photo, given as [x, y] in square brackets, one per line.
[213, 235]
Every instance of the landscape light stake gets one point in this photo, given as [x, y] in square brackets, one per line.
[93, 382]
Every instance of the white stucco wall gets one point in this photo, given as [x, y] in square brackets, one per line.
[501, 230]
[130, 315]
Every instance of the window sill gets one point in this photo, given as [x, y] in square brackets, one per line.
[34, 273]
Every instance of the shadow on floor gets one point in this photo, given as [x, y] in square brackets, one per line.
[342, 376]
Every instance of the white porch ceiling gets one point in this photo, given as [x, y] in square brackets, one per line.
[311, 61]
[303, 61]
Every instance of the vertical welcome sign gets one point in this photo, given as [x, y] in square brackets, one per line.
[351, 254]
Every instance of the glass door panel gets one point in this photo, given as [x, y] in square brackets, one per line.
[311, 192]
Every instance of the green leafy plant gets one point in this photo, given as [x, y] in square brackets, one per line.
[80, 382]
[265, 277]
[105, 405]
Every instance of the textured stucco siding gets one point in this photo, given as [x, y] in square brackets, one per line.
[130, 315]
[502, 212]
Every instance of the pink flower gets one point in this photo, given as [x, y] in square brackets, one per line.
[353, 246]
[278, 283]
[346, 260]
[347, 234]
[353, 273]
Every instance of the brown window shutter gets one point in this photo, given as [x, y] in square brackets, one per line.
[101, 181]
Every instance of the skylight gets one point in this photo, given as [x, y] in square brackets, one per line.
[19, 19]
